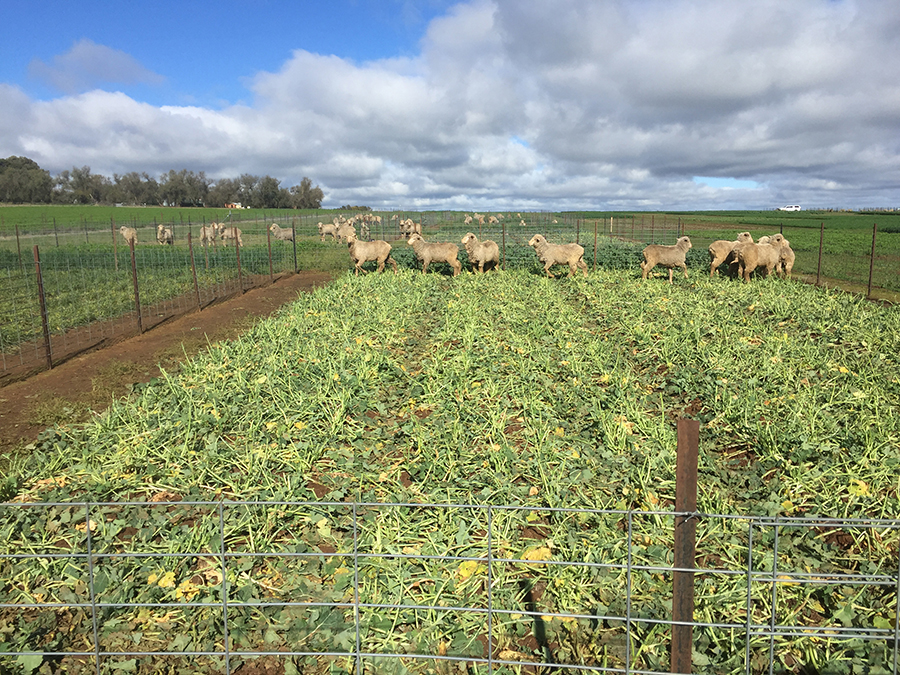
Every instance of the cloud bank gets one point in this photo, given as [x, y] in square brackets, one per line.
[526, 104]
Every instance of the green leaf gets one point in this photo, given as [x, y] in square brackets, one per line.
[30, 662]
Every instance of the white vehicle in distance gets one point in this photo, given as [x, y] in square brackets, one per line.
[793, 207]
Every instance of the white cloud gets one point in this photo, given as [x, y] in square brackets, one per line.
[558, 105]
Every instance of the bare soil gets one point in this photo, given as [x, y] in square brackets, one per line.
[91, 381]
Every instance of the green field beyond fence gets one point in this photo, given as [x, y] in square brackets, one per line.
[90, 288]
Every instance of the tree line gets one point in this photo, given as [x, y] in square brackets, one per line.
[23, 181]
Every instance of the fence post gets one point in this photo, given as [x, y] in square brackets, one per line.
[112, 229]
[503, 262]
[652, 225]
[596, 225]
[821, 241]
[685, 542]
[872, 259]
[294, 239]
[194, 269]
[55, 233]
[45, 324]
[237, 250]
[269, 241]
[137, 296]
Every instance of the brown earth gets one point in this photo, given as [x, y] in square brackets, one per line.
[90, 381]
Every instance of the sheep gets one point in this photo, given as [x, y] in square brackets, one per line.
[164, 235]
[481, 252]
[208, 234]
[408, 227]
[433, 251]
[722, 251]
[764, 255]
[281, 234]
[666, 256]
[230, 233]
[785, 260]
[345, 231]
[327, 228]
[364, 231]
[363, 251]
[130, 234]
[558, 254]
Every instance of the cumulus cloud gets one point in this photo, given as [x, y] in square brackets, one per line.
[511, 103]
[88, 65]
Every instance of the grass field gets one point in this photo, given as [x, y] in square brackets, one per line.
[505, 388]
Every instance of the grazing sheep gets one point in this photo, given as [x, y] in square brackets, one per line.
[208, 234]
[327, 228]
[666, 256]
[558, 254]
[764, 255]
[481, 252]
[429, 252]
[364, 231]
[129, 233]
[281, 234]
[363, 251]
[722, 251]
[231, 233]
[164, 235]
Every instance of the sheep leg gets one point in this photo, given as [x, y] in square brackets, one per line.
[380, 265]
[393, 263]
[549, 273]
[424, 266]
[684, 267]
[671, 269]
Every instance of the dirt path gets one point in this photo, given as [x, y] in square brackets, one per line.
[90, 381]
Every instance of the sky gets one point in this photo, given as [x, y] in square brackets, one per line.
[477, 105]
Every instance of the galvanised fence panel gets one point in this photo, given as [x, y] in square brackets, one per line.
[347, 587]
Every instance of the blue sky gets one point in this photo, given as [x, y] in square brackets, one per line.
[484, 104]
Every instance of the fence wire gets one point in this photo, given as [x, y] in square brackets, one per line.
[404, 587]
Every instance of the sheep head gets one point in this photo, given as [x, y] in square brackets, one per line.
[537, 240]
[416, 237]
[469, 237]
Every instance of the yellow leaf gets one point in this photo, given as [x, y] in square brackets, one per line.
[261, 379]
[537, 554]
[299, 426]
[559, 431]
[467, 568]
[186, 590]
[167, 580]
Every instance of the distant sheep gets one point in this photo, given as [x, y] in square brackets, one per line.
[327, 228]
[558, 254]
[428, 252]
[363, 251]
[208, 234]
[722, 251]
[164, 235]
[281, 234]
[481, 253]
[666, 256]
[130, 235]
[230, 233]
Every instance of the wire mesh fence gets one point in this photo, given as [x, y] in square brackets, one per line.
[92, 294]
[353, 587]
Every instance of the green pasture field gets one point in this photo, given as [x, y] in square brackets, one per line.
[506, 389]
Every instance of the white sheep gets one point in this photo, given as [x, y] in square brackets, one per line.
[230, 233]
[281, 234]
[722, 251]
[764, 255]
[558, 254]
[344, 231]
[130, 234]
[327, 228]
[428, 252]
[481, 253]
[164, 235]
[208, 234]
[666, 256]
[785, 260]
[364, 251]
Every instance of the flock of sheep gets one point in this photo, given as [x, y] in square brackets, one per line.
[743, 255]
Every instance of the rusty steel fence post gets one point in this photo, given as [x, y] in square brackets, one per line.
[821, 242]
[194, 270]
[237, 250]
[269, 242]
[872, 259]
[137, 295]
[685, 545]
[42, 300]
